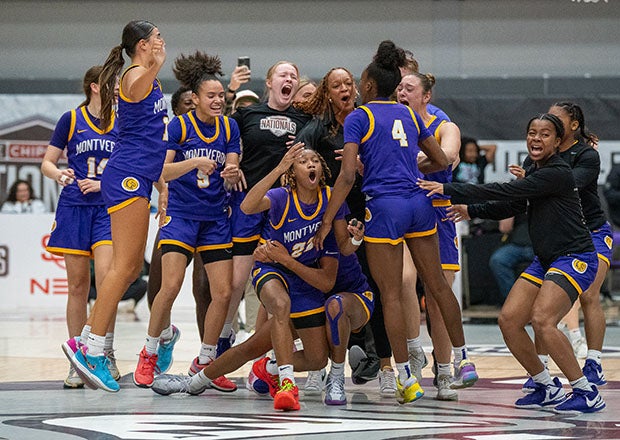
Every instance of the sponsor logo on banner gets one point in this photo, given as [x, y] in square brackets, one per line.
[51, 285]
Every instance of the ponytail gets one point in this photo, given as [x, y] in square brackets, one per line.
[107, 83]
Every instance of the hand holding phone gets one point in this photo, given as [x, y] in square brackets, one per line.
[244, 61]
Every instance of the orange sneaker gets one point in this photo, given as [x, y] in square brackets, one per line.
[145, 370]
[259, 368]
[287, 397]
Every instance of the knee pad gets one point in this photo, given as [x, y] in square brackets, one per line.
[333, 322]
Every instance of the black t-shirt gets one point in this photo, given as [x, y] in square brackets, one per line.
[550, 197]
[264, 134]
[586, 165]
[319, 135]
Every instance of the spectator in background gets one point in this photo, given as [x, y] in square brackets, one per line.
[472, 161]
[181, 101]
[244, 98]
[516, 250]
[305, 90]
[21, 200]
[612, 194]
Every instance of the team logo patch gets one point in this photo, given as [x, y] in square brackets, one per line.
[368, 294]
[580, 266]
[456, 242]
[608, 241]
[130, 184]
[166, 220]
[368, 215]
[255, 272]
[53, 226]
[278, 125]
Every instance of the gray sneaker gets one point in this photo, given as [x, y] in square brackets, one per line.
[334, 391]
[315, 383]
[73, 380]
[417, 361]
[167, 384]
[116, 375]
[444, 392]
[387, 382]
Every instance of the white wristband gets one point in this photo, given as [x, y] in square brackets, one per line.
[356, 242]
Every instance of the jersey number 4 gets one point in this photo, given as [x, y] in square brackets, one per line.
[398, 133]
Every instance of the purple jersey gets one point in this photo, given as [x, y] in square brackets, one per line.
[195, 195]
[142, 136]
[443, 176]
[88, 150]
[387, 134]
[294, 224]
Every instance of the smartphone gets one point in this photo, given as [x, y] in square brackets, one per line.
[243, 61]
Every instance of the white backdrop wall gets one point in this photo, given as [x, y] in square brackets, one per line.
[60, 39]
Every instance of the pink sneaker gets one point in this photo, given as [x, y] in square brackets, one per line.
[71, 346]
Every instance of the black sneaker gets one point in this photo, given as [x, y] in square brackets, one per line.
[367, 370]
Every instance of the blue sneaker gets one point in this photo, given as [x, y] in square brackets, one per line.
[543, 396]
[529, 386]
[94, 370]
[164, 352]
[593, 371]
[581, 401]
[224, 344]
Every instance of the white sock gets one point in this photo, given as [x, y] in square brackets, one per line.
[404, 371]
[574, 335]
[85, 333]
[201, 379]
[95, 344]
[167, 334]
[337, 369]
[226, 330]
[414, 344]
[207, 354]
[460, 353]
[286, 372]
[151, 344]
[443, 369]
[272, 367]
[544, 358]
[581, 383]
[595, 355]
[543, 377]
[109, 342]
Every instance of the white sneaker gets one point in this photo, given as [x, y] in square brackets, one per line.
[387, 382]
[73, 380]
[444, 392]
[580, 348]
[417, 361]
[315, 383]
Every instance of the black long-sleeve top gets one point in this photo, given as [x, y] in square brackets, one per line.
[549, 196]
[586, 164]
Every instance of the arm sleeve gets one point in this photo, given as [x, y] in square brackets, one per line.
[587, 168]
[542, 183]
[60, 136]
[497, 210]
